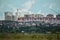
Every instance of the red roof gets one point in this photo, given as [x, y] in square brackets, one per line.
[21, 18]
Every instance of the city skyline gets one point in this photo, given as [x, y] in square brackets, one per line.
[32, 6]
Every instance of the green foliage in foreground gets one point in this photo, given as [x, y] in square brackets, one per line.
[26, 36]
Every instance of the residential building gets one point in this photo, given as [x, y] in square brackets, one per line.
[8, 15]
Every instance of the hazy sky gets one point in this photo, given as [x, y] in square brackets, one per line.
[32, 6]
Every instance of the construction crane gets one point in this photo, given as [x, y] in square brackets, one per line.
[54, 11]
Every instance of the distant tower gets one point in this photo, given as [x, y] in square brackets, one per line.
[17, 14]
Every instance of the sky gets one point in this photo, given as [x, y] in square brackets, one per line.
[31, 6]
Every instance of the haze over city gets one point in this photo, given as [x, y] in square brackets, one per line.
[29, 6]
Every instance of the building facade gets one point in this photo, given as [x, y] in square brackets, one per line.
[8, 15]
[39, 18]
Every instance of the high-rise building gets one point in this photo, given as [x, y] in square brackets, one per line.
[39, 15]
[58, 16]
[13, 18]
[50, 16]
[8, 15]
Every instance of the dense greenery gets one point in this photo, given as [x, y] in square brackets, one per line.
[29, 29]
[9, 31]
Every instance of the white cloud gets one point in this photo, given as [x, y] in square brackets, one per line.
[26, 12]
[14, 9]
[27, 5]
[51, 6]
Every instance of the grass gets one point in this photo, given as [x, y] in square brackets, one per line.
[25, 36]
